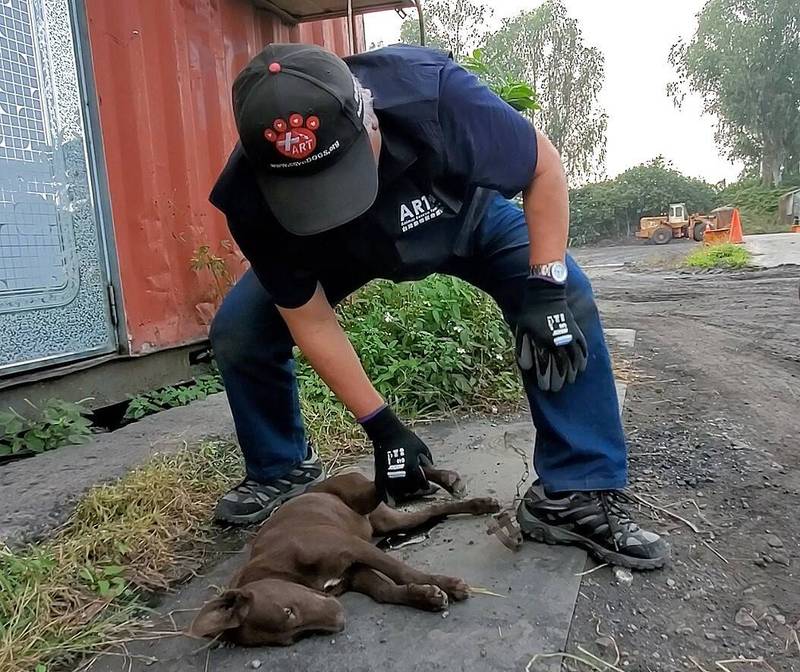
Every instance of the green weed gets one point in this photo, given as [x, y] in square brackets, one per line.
[55, 424]
[173, 396]
[726, 255]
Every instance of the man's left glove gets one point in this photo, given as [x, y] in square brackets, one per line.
[399, 457]
[548, 338]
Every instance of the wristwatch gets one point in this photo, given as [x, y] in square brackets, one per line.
[555, 272]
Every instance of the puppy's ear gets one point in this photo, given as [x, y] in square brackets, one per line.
[226, 612]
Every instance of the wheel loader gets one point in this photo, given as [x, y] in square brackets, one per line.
[676, 224]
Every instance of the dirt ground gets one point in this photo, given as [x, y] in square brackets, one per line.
[713, 418]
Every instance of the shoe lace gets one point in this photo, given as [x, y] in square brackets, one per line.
[619, 520]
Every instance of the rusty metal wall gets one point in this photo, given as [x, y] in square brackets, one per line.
[163, 71]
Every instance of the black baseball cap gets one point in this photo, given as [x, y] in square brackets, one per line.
[300, 118]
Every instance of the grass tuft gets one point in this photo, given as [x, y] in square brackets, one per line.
[726, 255]
[84, 588]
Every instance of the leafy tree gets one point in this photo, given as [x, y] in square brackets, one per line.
[545, 47]
[454, 25]
[613, 208]
[744, 60]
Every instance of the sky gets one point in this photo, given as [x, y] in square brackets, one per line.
[635, 36]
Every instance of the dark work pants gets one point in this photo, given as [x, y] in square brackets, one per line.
[579, 439]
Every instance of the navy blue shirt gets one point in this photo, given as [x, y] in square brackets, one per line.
[448, 144]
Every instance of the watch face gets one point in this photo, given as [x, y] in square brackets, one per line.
[559, 271]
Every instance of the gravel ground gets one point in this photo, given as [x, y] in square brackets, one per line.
[713, 418]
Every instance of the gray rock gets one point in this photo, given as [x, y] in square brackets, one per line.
[254, 664]
[710, 636]
[782, 558]
[745, 619]
[623, 576]
[671, 583]
[774, 541]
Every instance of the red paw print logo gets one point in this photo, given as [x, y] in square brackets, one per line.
[297, 138]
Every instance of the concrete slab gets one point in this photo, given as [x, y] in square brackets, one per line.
[538, 584]
[774, 249]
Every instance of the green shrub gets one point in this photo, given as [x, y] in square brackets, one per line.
[429, 347]
[726, 255]
[758, 205]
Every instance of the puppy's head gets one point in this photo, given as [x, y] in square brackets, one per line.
[268, 612]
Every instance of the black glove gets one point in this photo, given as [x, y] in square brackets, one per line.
[399, 457]
[548, 338]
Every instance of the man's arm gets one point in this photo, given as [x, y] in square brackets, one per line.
[546, 204]
[320, 337]
[399, 453]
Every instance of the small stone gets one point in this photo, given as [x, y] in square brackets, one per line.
[671, 583]
[782, 559]
[760, 562]
[685, 631]
[745, 504]
[780, 619]
[483, 652]
[750, 590]
[333, 641]
[745, 619]
[664, 637]
[623, 576]
[445, 614]
[382, 640]
[710, 636]
[774, 541]
[254, 664]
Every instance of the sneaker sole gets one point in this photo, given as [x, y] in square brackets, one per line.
[537, 530]
[262, 514]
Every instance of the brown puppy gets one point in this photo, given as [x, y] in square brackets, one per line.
[317, 546]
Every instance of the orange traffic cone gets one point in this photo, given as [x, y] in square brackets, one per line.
[736, 228]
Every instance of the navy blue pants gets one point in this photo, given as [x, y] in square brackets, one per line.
[579, 439]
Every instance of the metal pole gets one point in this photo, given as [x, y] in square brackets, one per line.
[421, 18]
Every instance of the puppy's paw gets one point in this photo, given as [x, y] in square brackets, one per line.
[481, 505]
[455, 588]
[430, 598]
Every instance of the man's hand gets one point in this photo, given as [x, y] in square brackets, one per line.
[548, 338]
[399, 457]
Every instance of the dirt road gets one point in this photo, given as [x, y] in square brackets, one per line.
[713, 416]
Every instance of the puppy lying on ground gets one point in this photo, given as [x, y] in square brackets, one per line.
[316, 547]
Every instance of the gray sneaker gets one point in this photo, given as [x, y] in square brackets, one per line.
[251, 502]
[596, 521]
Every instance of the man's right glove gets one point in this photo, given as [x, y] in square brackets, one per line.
[399, 457]
[548, 338]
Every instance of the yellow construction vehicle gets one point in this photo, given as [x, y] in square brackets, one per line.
[676, 224]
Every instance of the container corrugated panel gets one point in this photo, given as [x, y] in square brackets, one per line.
[163, 70]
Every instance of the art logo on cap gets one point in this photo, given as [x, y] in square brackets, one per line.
[296, 139]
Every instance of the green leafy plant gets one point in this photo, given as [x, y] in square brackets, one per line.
[173, 396]
[204, 259]
[55, 424]
[517, 93]
[726, 255]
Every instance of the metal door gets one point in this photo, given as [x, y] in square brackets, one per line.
[54, 300]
